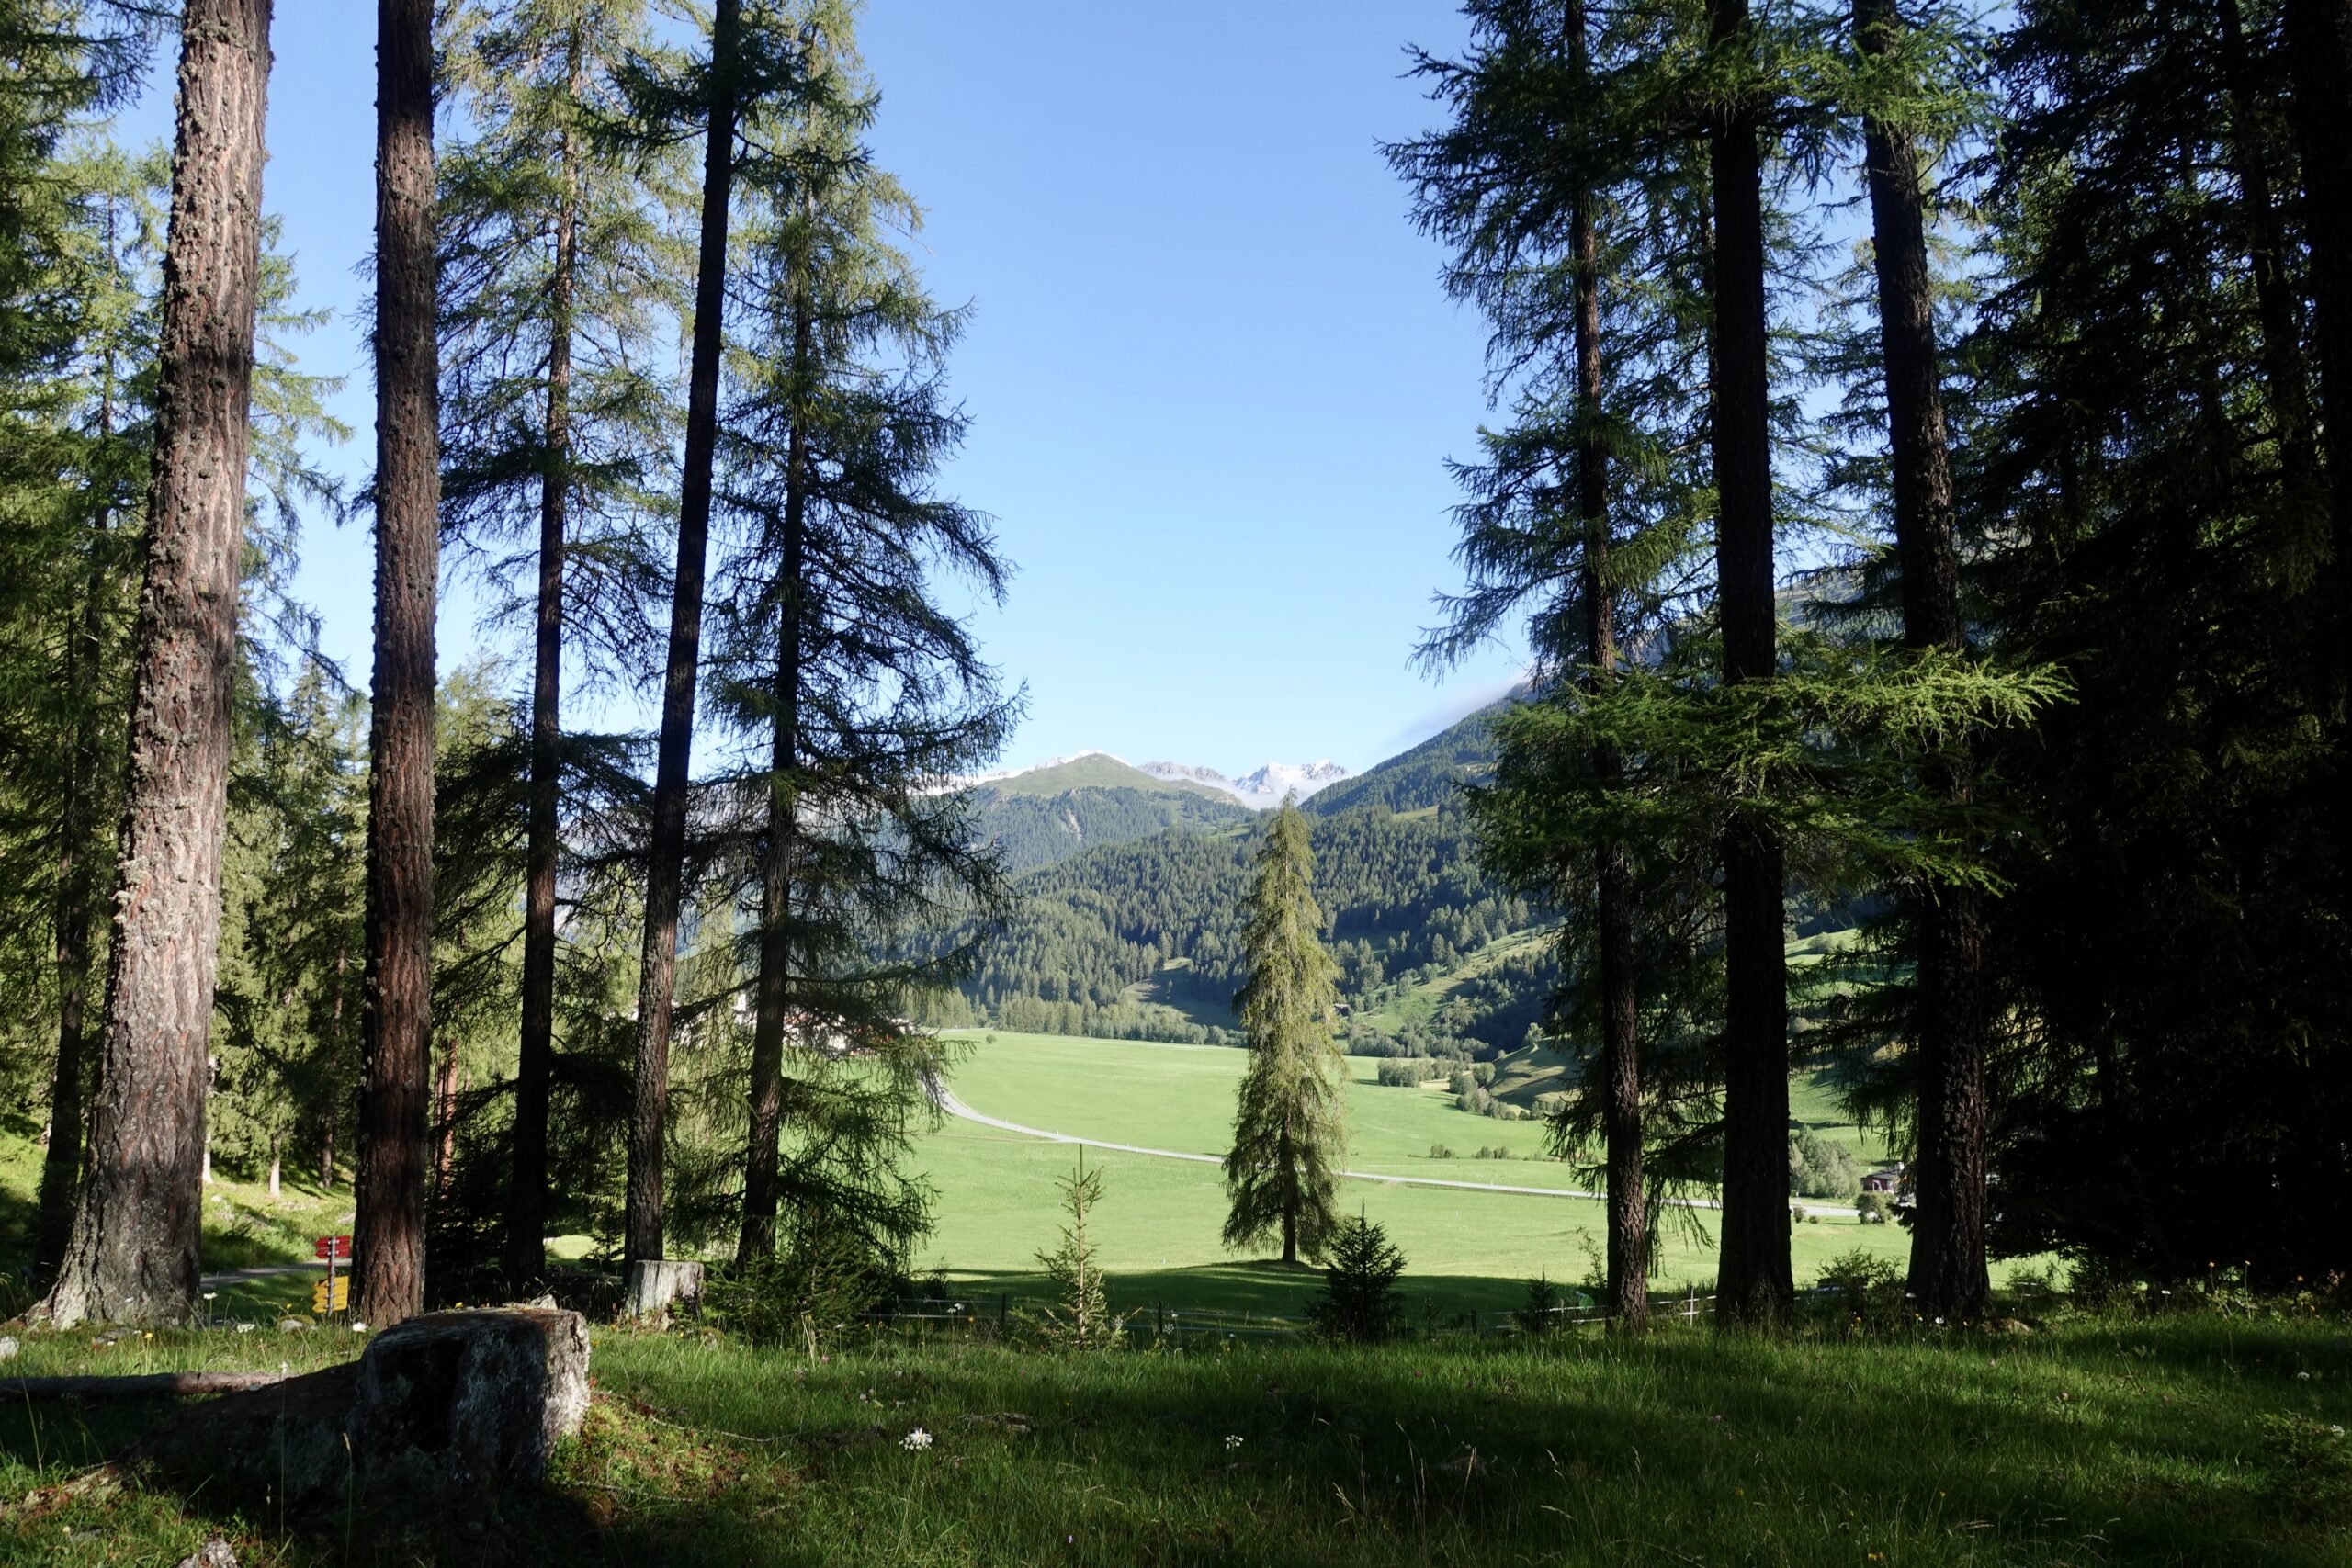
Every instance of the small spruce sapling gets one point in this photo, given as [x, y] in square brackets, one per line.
[1359, 1303]
[1084, 1321]
[1539, 1313]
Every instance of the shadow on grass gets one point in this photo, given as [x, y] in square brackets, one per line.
[1258, 1286]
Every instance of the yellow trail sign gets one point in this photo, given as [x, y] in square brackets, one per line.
[320, 1304]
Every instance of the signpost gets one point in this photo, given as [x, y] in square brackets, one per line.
[333, 1295]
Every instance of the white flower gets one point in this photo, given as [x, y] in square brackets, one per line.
[2303, 1377]
[359, 1328]
[914, 1442]
[1231, 1444]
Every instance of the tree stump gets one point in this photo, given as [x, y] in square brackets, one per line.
[655, 1283]
[457, 1406]
[470, 1399]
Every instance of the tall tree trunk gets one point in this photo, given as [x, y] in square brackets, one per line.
[60, 1168]
[775, 996]
[396, 1017]
[326, 1122]
[133, 1255]
[665, 856]
[1290, 1201]
[534, 1068]
[2319, 50]
[1948, 1268]
[1754, 1284]
[1629, 1242]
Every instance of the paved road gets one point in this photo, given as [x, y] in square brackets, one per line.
[946, 1101]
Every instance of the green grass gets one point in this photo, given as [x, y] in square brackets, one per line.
[2186, 1441]
[1159, 1219]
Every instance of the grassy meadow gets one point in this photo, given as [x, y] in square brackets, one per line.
[1158, 1222]
[2192, 1439]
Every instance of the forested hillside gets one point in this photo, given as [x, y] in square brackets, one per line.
[1431, 774]
[1142, 938]
[1049, 814]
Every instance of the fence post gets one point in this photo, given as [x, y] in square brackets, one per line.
[1159, 1320]
[1003, 1310]
[1474, 1323]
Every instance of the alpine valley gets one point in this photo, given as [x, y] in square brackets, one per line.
[1131, 881]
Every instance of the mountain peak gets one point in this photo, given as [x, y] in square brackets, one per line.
[1262, 786]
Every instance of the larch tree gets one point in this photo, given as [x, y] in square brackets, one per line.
[836, 658]
[1289, 1132]
[753, 65]
[396, 1020]
[132, 1255]
[1517, 183]
[665, 855]
[1949, 1275]
[555, 423]
[70, 570]
[1754, 1284]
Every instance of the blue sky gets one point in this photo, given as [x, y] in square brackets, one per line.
[1212, 377]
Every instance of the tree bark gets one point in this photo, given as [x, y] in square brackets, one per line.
[1754, 1284]
[775, 996]
[665, 856]
[1621, 1067]
[534, 1068]
[132, 1255]
[396, 1017]
[1948, 1268]
[1290, 1202]
[2319, 50]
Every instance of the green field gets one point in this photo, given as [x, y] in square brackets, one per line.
[1159, 1218]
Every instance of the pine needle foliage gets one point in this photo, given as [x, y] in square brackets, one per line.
[1084, 1320]
[1288, 1138]
[1359, 1304]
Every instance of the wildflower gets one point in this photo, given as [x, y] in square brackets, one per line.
[1231, 1444]
[2303, 1377]
[914, 1442]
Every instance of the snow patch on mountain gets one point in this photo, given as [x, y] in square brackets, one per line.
[1262, 787]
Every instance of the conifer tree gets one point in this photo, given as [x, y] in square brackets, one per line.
[2121, 458]
[1537, 151]
[1359, 1304]
[1754, 1284]
[1288, 1133]
[1084, 1321]
[387, 1235]
[554, 267]
[133, 1255]
[1949, 1275]
[72, 548]
[723, 89]
[836, 658]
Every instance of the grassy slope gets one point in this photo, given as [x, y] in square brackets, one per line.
[2095, 1442]
[1159, 1219]
[1097, 771]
